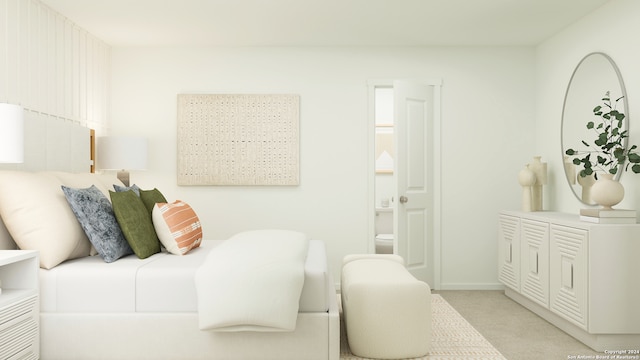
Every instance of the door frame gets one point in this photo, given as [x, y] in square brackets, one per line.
[437, 178]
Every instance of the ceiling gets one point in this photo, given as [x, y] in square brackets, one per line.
[323, 22]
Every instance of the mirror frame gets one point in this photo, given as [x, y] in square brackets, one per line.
[564, 109]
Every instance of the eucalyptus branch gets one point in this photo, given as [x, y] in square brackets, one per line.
[609, 151]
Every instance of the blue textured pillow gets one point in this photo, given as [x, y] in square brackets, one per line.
[95, 214]
[134, 188]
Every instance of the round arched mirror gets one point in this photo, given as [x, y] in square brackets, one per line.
[595, 78]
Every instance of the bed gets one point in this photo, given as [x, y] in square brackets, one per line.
[133, 308]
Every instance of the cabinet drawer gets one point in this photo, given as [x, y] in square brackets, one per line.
[19, 329]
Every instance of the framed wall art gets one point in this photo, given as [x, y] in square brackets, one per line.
[229, 139]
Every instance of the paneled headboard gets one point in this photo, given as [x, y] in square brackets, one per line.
[51, 144]
[54, 144]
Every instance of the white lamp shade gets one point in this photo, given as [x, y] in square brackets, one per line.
[121, 153]
[11, 134]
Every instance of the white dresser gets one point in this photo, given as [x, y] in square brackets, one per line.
[582, 277]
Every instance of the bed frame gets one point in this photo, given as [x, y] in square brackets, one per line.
[171, 336]
[157, 336]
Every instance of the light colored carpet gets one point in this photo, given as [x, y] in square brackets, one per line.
[515, 331]
[452, 337]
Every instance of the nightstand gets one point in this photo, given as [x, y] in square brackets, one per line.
[19, 305]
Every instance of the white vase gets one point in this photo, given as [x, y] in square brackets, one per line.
[586, 183]
[540, 169]
[527, 179]
[607, 192]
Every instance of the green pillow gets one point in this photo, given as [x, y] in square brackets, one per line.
[150, 198]
[135, 222]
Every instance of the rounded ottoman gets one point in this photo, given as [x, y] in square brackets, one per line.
[387, 311]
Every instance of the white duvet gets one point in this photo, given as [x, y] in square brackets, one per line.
[252, 282]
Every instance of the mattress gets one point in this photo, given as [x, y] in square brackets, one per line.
[162, 283]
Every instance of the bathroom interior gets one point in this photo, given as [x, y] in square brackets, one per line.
[384, 179]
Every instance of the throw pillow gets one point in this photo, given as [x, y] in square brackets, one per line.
[6, 241]
[150, 198]
[95, 214]
[38, 217]
[178, 227]
[121, 188]
[135, 223]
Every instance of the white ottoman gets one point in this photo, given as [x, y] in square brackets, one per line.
[387, 311]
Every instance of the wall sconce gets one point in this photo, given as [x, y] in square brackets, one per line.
[11, 134]
[122, 153]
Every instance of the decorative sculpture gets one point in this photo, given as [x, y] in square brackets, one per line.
[570, 170]
[532, 178]
[527, 179]
[540, 169]
[586, 183]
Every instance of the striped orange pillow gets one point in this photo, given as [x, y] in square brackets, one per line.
[177, 226]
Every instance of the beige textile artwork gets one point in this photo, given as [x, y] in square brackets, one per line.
[245, 139]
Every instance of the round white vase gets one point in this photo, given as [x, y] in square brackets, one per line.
[607, 192]
[527, 179]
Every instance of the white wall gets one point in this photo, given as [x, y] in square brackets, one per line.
[612, 29]
[487, 127]
[59, 74]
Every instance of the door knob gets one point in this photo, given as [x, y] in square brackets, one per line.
[403, 199]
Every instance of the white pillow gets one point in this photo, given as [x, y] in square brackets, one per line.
[38, 217]
[178, 227]
[6, 241]
[103, 182]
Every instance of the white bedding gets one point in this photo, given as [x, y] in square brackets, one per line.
[87, 306]
[252, 282]
[162, 283]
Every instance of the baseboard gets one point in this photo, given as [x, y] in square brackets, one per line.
[458, 286]
[471, 286]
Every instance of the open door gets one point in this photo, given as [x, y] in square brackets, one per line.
[413, 215]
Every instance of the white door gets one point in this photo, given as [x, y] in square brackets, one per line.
[413, 218]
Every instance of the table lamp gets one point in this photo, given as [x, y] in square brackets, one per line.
[122, 153]
[11, 134]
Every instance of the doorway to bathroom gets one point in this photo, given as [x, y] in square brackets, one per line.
[404, 178]
[384, 177]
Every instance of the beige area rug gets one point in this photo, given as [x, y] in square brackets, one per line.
[452, 337]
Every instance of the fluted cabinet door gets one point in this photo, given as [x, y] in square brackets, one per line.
[569, 273]
[534, 259]
[509, 251]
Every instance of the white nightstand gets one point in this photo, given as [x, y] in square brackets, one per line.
[19, 305]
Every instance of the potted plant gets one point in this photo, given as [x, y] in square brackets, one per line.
[608, 154]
